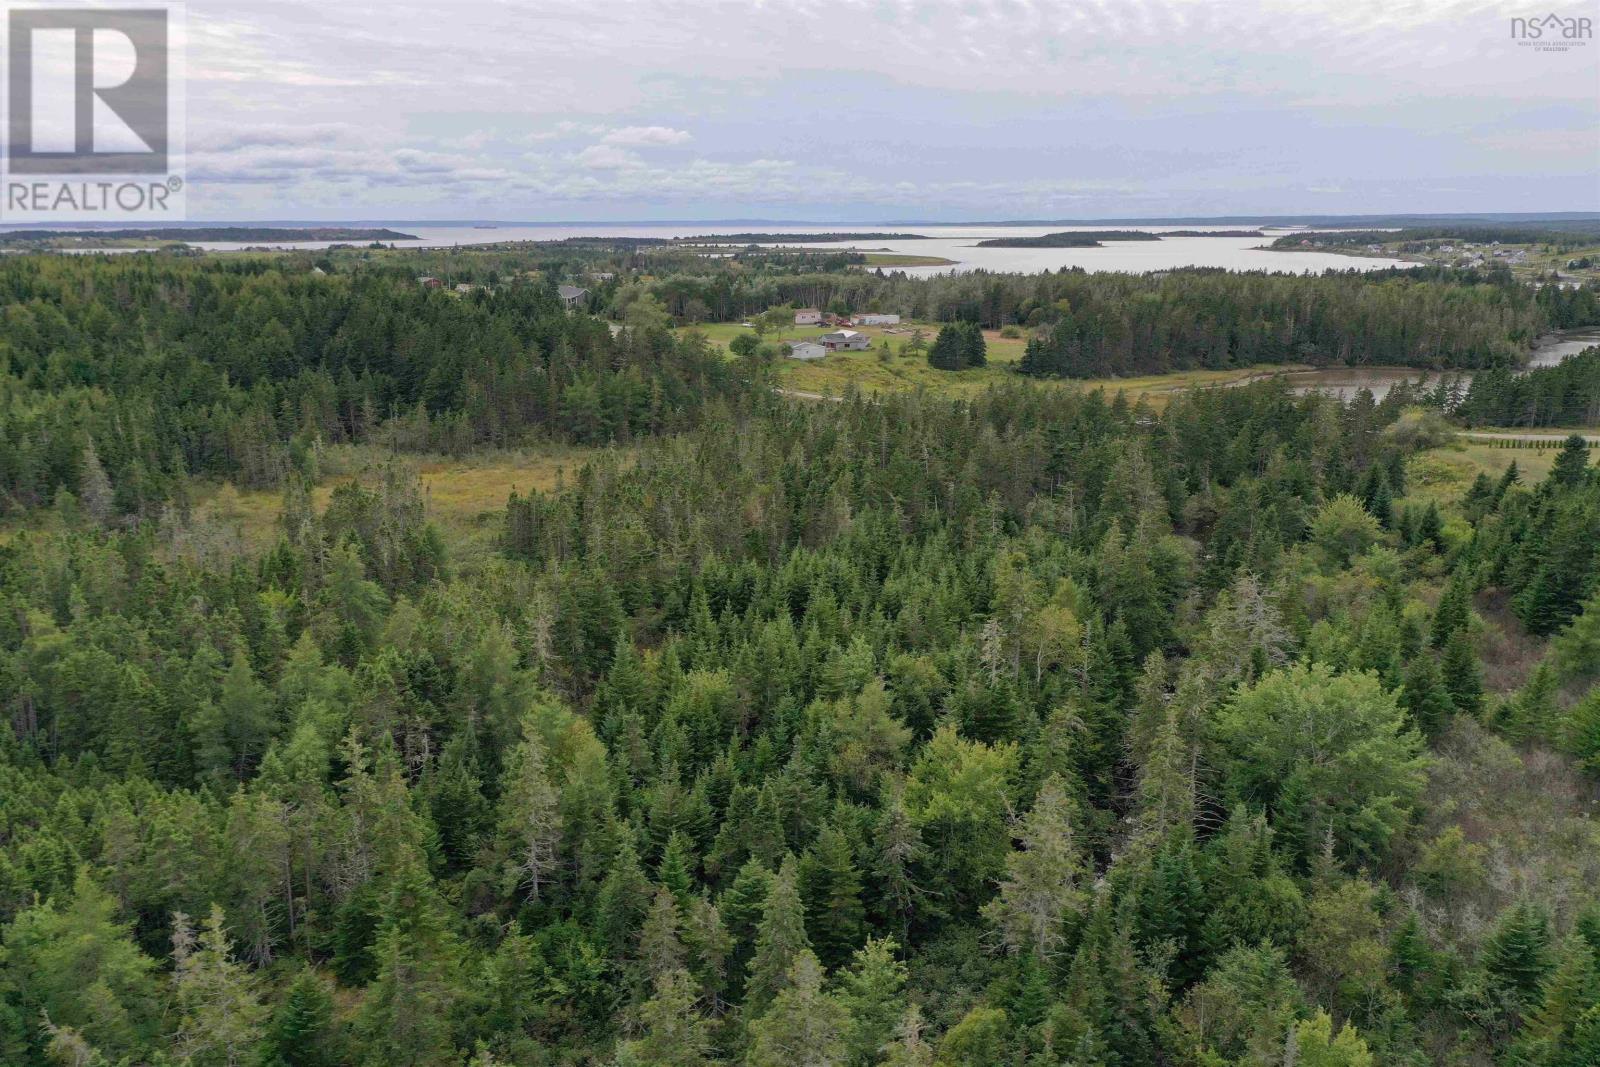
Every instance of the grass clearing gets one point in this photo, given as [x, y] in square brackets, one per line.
[1443, 475]
[463, 496]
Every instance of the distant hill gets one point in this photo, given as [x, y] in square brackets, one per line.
[1564, 235]
[254, 234]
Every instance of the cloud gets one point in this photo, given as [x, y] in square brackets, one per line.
[979, 108]
[606, 157]
[647, 135]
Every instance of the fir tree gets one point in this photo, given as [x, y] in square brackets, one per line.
[1517, 957]
[1462, 676]
[405, 1019]
[622, 903]
[301, 1032]
[1454, 611]
[1576, 651]
[742, 907]
[871, 992]
[831, 888]
[660, 947]
[804, 1027]
[1425, 697]
[947, 351]
[1043, 888]
[1579, 730]
[1572, 462]
[675, 1034]
[221, 1016]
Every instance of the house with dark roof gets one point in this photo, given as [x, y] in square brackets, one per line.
[844, 340]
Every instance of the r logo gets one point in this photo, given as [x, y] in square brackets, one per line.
[88, 91]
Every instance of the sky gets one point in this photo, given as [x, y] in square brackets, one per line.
[877, 110]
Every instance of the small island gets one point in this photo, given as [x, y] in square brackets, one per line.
[1211, 233]
[1069, 239]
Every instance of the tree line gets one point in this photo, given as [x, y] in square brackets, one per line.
[121, 375]
[1039, 728]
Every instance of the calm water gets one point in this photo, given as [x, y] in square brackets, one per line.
[1563, 345]
[956, 243]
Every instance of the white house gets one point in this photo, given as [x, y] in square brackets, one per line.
[844, 340]
[807, 317]
[807, 350]
[873, 318]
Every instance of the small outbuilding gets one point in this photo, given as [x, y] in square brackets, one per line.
[806, 350]
[873, 318]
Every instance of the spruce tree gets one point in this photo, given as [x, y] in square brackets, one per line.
[780, 940]
[220, 1013]
[872, 992]
[1043, 888]
[1572, 462]
[95, 494]
[1564, 1030]
[805, 1026]
[974, 350]
[830, 885]
[529, 820]
[1424, 696]
[301, 1032]
[1461, 674]
[1517, 956]
[1512, 476]
[675, 1034]
[947, 351]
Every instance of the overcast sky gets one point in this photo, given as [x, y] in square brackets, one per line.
[881, 109]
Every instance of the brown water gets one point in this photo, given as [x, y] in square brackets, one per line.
[1346, 382]
[1553, 348]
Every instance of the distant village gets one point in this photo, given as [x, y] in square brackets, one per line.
[1463, 254]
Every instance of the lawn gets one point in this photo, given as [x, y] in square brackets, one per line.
[871, 372]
